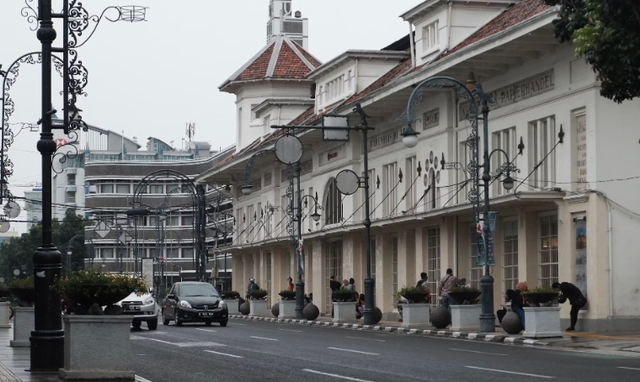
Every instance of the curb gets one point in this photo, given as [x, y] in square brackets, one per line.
[486, 337]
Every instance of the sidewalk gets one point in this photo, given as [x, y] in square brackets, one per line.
[14, 362]
[628, 343]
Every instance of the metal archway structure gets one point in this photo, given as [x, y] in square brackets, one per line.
[198, 206]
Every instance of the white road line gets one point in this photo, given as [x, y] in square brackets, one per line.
[207, 330]
[477, 352]
[161, 341]
[628, 368]
[235, 323]
[365, 339]
[353, 351]
[225, 354]
[335, 375]
[291, 330]
[510, 372]
[140, 379]
[263, 338]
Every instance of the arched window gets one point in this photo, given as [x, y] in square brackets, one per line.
[332, 203]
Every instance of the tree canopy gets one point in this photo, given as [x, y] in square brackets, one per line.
[606, 33]
[17, 252]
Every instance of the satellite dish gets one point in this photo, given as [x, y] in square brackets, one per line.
[347, 182]
[4, 226]
[12, 209]
[288, 149]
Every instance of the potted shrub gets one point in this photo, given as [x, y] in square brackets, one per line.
[287, 294]
[540, 295]
[415, 294]
[90, 290]
[4, 291]
[5, 306]
[258, 294]
[465, 294]
[229, 295]
[343, 295]
[23, 291]
[86, 330]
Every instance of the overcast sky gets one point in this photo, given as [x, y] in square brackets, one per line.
[151, 78]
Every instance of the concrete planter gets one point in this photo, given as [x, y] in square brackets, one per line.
[542, 322]
[5, 312]
[23, 325]
[344, 311]
[232, 306]
[97, 348]
[414, 315]
[258, 308]
[287, 309]
[466, 317]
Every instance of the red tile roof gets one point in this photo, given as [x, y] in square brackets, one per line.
[258, 68]
[281, 59]
[516, 14]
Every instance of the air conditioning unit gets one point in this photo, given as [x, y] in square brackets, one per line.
[93, 189]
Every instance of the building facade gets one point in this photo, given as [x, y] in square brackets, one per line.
[569, 217]
[33, 206]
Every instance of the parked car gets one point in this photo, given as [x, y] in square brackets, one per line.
[142, 308]
[194, 302]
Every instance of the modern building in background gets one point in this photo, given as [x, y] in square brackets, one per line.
[33, 206]
[571, 215]
[99, 183]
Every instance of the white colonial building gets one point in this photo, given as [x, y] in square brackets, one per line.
[571, 216]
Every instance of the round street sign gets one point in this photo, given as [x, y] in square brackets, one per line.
[12, 209]
[347, 182]
[288, 149]
[4, 226]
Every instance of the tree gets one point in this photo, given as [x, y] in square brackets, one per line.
[17, 253]
[606, 33]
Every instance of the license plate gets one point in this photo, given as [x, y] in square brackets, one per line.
[206, 314]
[132, 307]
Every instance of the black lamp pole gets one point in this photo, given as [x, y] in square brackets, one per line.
[47, 339]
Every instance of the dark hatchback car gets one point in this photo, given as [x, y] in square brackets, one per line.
[194, 302]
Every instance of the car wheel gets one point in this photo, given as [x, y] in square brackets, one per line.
[178, 321]
[152, 325]
[208, 323]
[165, 321]
[136, 324]
[224, 323]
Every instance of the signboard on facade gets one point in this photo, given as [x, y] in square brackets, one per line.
[581, 151]
[385, 139]
[515, 92]
[431, 119]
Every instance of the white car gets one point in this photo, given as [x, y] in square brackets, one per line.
[142, 308]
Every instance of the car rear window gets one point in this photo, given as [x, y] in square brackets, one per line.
[192, 290]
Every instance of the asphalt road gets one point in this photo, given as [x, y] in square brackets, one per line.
[261, 351]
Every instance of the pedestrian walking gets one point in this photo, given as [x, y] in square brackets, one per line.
[575, 297]
[290, 284]
[445, 285]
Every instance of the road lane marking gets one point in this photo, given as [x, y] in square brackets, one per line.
[365, 339]
[207, 330]
[628, 368]
[263, 338]
[161, 341]
[477, 352]
[235, 323]
[291, 330]
[188, 344]
[335, 375]
[353, 351]
[224, 354]
[510, 372]
[140, 379]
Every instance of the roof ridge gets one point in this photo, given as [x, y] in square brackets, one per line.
[247, 64]
[273, 60]
[298, 53]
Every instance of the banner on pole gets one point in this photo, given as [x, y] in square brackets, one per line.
[300, 257]
[486, 244]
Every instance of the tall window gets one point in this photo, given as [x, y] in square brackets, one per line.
[187, 253]
[389, 189]
[411, 187]
[542, 137]
[475, 270]
[394, 270]
[506, 141]
[510, 255]
[548, 250]
[332, 203]
[430, 36]
[267, 279]
[332, 267]
[433, 261]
